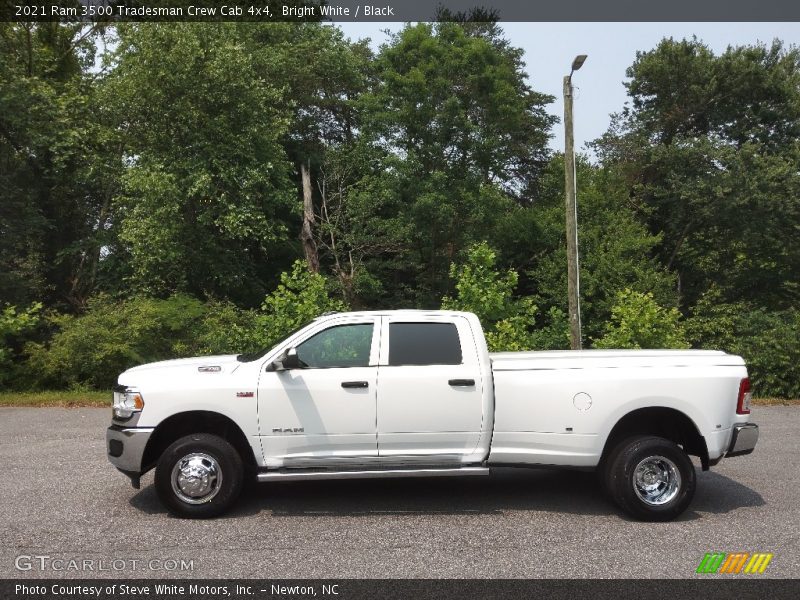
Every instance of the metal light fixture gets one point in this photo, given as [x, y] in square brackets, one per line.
[577, 63]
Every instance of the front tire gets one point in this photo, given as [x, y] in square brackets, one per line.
[199, 476]
[651, 478]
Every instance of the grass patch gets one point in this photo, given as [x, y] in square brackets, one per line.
[776, 401]
[68, 399]
[64, 399]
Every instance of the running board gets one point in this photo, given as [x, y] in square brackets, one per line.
[298, 475]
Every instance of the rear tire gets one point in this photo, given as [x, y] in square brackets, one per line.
[199, 476]
[604, 470]
[651, 478]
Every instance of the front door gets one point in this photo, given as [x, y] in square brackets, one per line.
[323, 412]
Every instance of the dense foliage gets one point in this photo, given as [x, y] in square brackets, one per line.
[508, 321]
[638, 322]
[13, 324]
[112, 336]
[160, 182]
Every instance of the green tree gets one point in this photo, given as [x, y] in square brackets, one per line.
[709, 150]
[769, 340]
[54, 193]
[207, 195]
[324, 74]
[452, 102]
[228, 329]
[14, 324]
[614, 245]
[359, 232]
[479, 287]
[637, 321]
[508, 321]
[300, 297]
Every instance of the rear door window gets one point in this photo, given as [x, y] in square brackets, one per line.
[424, 344]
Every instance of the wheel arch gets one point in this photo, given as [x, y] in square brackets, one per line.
[185, 423]
[662, 421]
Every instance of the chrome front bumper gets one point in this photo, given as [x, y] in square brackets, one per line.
[743, 439]
[125, 447]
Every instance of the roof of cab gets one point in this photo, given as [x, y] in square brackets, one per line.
[397, 312]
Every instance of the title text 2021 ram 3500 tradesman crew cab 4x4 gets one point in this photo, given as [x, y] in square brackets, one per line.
[416, 393]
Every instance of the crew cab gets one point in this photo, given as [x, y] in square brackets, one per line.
[417, 394]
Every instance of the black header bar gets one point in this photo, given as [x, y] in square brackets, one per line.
[401, 10]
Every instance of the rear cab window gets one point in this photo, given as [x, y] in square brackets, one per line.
[424, 343]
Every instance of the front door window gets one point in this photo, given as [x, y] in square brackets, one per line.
[336, 347]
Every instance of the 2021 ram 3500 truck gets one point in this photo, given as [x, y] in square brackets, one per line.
[416, 393]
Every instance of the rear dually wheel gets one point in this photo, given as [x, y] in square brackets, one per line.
[651, 478]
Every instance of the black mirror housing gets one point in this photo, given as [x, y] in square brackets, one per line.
[291, 360]
[287, 360]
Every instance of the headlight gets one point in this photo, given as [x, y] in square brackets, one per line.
[126, 403]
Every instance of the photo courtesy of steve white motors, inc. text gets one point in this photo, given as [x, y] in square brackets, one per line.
[159, 590]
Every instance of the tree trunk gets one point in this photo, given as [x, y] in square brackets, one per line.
[307, 231]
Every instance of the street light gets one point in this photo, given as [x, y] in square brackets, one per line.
[577, 63]
[573, 275]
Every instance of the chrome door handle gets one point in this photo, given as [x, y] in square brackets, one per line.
[355, 384]
[462, 382]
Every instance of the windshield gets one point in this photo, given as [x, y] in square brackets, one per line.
[251, 356]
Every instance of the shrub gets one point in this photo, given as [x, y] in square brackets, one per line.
[112, 336]
[227, 329]
[768, 340]
[13, 325]
[553, 333]
[508, 321]
[637, 321]
[300, 297]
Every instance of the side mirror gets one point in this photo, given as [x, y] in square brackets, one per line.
[291, 360]
[287, 360]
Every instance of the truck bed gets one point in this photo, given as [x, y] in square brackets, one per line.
[610, 359]
[559, 407]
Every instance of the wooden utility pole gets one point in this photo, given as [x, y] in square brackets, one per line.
[572, 219]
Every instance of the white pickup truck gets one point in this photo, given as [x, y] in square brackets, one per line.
[416, 393]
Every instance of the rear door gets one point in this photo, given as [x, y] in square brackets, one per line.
[430, 392]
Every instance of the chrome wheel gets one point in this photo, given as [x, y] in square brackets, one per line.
[656, 480]
[196, 478]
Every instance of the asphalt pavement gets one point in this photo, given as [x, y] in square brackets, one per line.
[66, 512]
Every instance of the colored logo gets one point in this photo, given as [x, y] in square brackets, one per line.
[735, 562]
